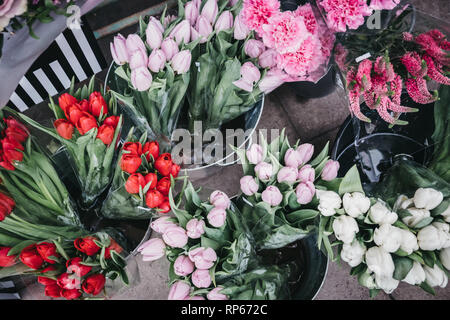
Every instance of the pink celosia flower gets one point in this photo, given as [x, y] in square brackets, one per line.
[440, 39]
[363, 76]
[408, 36]
[343, 13]
[435, 72]
[284, 32]
[257, 12]
[300, 62]
[417, 90]
[429, 45]
[384, 4]
[414, 64]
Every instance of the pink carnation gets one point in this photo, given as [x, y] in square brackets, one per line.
[309, 18]
[301, 61]
[343, 13]
[384, 4]
[256, 13]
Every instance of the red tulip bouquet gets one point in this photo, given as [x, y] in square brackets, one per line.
[29, 177]
[141, 182]
[93, 145]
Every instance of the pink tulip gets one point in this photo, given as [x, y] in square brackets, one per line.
[179, 291]
[272, 196]
[160, 225]
[201, 278]
[195, 228]
[170, 48]
[215, 294]
[141, 79]
[250, 72]
[210, 10]
[203, 258]
[204, 28]
[216, 217]
[253, 48]
[224, 22]
[330, 170]
[306, 173]
[182, 32]
[264, 170]
[292, 158]
[183, 266]
[194, 34]
[244, 85]
[134, 43]
[219, 200]
[306, 152]
[305, 192]
[195, 298]
[156, 23]
[119, 50]
[154, 36]
[191, 12]
[272, 80]
[198, 3]
[241, 30]
[157, 60]
[249, 186]
[287, 174]
[181, 62]
[268, 58]
[254, 154]
[168, 20]
[152, 249]
[175, 237]
[138, 59]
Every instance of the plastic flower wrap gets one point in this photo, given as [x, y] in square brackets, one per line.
[400, 234]
[280, 187]
[88, 126]
[141, 182]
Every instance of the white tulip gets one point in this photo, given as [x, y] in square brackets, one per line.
[416, 216]
[388, 237]
[446, 214]
[380, 261]
[388, 284]
[380, 214]
[403, 202]
[329, 201]
[367, 280]
[409, 242]
[444, 234]
[345, 228]
[429, 238]
[353, 253]
[435, 276]
[355, 204]
[444, 256]
[416, 275]
[427, 198]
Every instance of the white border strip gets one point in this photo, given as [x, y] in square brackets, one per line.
[70, 56]
[62, 76]
[22, 106]
[87, 50]
[30, 90]
[45, 82]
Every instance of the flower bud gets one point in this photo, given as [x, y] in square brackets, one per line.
[157, 60]
[264, 170]
[380, 214]
[429, 238]
[170, 48]
[305, 151]
[179, 291]
[330, 170]
[287, 174]
[305, 192]
[182, 32]
[175, 237]
[380, 261]
[219, 200]
[241, 30]
[250, 73]
[195, 228]
[154, 36]
[416, 215]
[141, 79]
[253, 48]
[181, 62]
[272, 80]
[152, 249]
[249, 186]
[201, 278]
[119, 50]
[254, 154]
[444, 256]
[268, 58]
[191, 12]
[138, 59]
[160, 225]
[216, 217]
[210, 10]
[183, 266]
[215, 294]
[387, 283]
[345, 228]
[224, 22]
[416, 275]
[329, 201]
[272, 196]
[203, 258]
[444, 235]
[204, 28]
[409, 242]
[134, 183]
[157, 23]
[135, 43]
[388, 237]
[427, 198]
[355, 204]
[353, 253]
[435, 277]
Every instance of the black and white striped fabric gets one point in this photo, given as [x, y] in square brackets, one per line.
[73, 53]
[8, 290]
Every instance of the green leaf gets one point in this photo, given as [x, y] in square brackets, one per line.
[302, 215]
[321, 157]
[351, 182]
[424, 222]
[429, 257]
[402, 267]
[427, 288]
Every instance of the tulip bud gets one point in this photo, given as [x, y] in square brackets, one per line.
[157, 23]
[388, 237]
[152, 249]
[416, 275]
[249, 186]
[203, 258]
[134, 182]
[444, 256]
[138, 59]
[272, 80]
[119, 50]
[182, 32]
[181, 62]
[241, 30]
[305, 151]
[135, 43]
[306, 173]
[272, 196]
[194, 34]
[210, 10]
[355, 204]
[264, 170]
[287, 174]
[305, 192]
[429, 238]
[160, 225]
[216, 217]
[175, 237]
[164, 163]
[219, 200]
[64, 128]
[191, 12]
[254, 154]
[330, 170]
[183, 266]
[179, 291]
[201, 278]
[387, 283]
[250, 73]
[157, 60]
[224, 22]
[444, 235]
[253, 48]
[204, 28]
[345, 228]
[154, 36]
[380, 261]
[329, 201]
[195, 228]
[353, 253]
[151, 149]
[367, 280]
[170, 48]
[292, 158]
[268, 58]
[427, 198]
[154, 198]
[435, 277]
[416, 215]
[5, 259]
[141, 79]
[130, 163]
[380, 214]
[409, 242]
[215, 294]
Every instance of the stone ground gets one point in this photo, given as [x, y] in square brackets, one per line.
[316, 121]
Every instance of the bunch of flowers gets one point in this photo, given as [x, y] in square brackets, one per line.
[280, 187]
[343, 14]
[207, 243]
[299, 41]
[402, 239]
[141, 182]
[93, 145]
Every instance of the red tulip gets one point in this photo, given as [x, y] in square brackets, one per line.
[84, 105]
[153, 178]
[106, 134]
[68, 281]
[174, 170]
[135, 148]
[53, 290]
[66, 100]
[97, 104]
[73, 113]
[87, 245]
[7, 204]
[112, 121]
[9, 143]
[114, 246]
[151, 148]
[163, 164]
[47, 281]
[133, 183]
[31, 257]
[75, 265]
[64, 128]
[70, 294]
[154, 198]
[130, 163]
[94, 284]
[6, 164]
[163, 186]
[165, 206]
[5, 260]
[17, 134]
[86, 123]
[11, 149]
[13, 123]
[47, 250]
